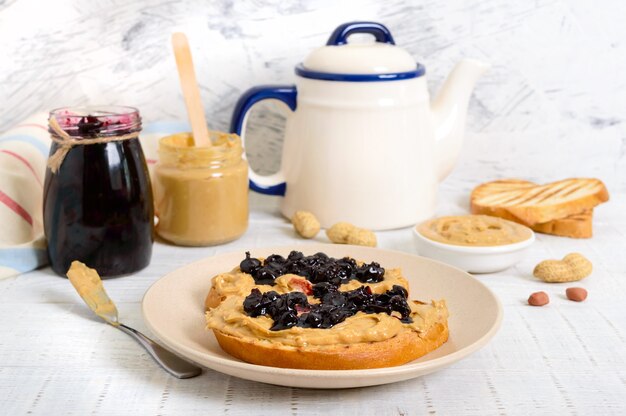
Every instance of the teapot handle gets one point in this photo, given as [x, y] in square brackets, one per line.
[264, 184]
[340, 35]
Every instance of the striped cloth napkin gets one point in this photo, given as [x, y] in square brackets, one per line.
[23, 155]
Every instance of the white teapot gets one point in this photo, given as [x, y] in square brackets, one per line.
[363, 143]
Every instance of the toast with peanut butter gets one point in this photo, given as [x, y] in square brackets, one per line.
[299, 273]
[317, 312]
[563, 208]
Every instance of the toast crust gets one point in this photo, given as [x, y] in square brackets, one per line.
[403, 348]
[574, 226]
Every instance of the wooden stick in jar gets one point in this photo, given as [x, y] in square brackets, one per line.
[191, 92]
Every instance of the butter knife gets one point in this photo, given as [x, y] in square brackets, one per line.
[89, 286]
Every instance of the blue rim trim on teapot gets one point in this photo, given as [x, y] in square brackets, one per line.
[329, 76]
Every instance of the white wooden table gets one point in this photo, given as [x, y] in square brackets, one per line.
[565, 358]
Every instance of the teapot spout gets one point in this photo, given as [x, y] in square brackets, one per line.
[450, 110]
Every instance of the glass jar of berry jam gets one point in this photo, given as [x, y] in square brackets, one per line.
[201, 193]
[98, 205]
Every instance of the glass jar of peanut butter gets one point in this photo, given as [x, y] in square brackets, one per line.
[201, 193]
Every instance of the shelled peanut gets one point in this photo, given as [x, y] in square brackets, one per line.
[538, 299]
[577, 294]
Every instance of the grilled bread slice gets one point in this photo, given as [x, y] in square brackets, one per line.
[562, 208]
[574, 226]
[482, 197]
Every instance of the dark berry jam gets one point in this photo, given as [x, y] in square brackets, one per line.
[89, 126]
[98, 206]
[293, 309]
[318, 268]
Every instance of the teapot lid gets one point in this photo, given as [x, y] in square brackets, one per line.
[377, 60]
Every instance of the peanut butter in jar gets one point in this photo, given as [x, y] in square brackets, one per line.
[201, 193]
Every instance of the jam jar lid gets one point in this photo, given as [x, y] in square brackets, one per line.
[378, 59]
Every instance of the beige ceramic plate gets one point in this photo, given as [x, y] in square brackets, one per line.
[173, 310]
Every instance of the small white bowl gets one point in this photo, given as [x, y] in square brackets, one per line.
[478, 259]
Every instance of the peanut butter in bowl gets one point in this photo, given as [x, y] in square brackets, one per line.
[474, 230]
[474, 243]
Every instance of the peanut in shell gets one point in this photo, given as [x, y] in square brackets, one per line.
[571, 268]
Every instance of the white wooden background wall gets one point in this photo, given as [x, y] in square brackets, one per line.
[556, 95]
